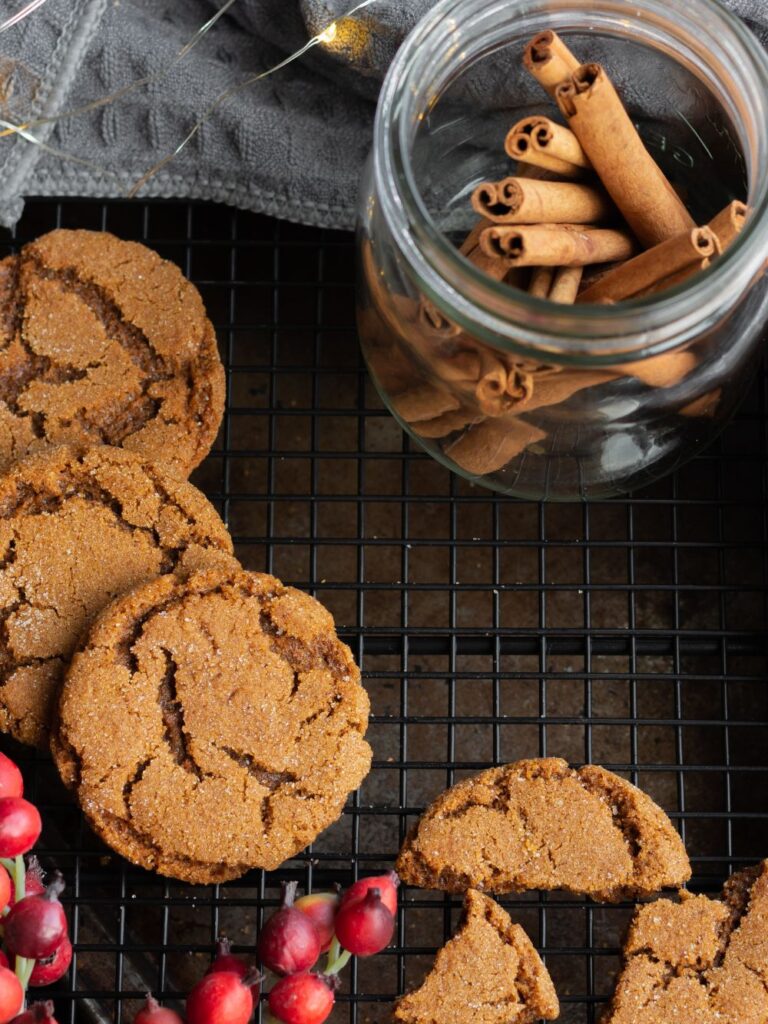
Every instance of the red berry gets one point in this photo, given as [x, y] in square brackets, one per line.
[11, 782]
[4, 961]
[366, 926]
[302, 998]
[20, 826]
[45, 972]
[225, 959]
[289, 942]
[6, 888]
[221, 998]
[36, 925]
[320, 908]
[386, 884]
[11, 995]
[153, 1013]
[38, 1013]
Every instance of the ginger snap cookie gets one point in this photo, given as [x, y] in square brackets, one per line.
[212, 725]
[538, 824]
[488, 973]
[104, 342]
[699, 961]
[78, 528]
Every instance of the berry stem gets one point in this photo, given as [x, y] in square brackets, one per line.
[23, 970]
[8, 863]
[19, 875]
[338, 958]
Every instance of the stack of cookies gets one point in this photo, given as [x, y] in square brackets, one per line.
[208, 719]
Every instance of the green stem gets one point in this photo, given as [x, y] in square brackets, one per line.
[8, 863]
[339, 963]
[23, 970]
[19, 876]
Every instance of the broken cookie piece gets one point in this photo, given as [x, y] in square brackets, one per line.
[488, 973]
[699, 961]
[212, 725]
[538, 824]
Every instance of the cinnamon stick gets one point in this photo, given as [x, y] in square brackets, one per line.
[423, 402]
[489, 445]
[539, 140]
[565, 286]
[662, 371]
[541, 282]
[446, 424]
[729, 222]
[523, 201]
[564, 245]
[549, 60]
[629, 173]
[650, 268]
[675, 279]
[705, 406]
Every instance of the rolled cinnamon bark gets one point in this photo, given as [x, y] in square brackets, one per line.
[565, 286]
[565, 245]
[489, 445]
[540, 136]
[541, 282]
[523, 201]
[491, 388]
[554, 388]
[650, 268]
[470, 247]
[705, 406]
[675, 279]
[424, 402]
[629, 173]
[446, 424]
[662, 371]
[549, 60]
[729, 222]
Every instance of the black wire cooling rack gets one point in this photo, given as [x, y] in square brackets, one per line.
[630, 633]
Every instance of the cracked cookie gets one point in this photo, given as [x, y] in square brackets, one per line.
[104, 342]
[538, 824]
[699, 961]
[488, 973]
[78, 527]
[212, 725]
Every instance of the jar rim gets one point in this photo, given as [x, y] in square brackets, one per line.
[511, 318]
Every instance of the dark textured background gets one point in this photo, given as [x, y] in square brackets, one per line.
[630, 632]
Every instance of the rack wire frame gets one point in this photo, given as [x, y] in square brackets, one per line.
[630, 633]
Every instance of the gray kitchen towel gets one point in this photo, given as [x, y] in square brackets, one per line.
[291, 144]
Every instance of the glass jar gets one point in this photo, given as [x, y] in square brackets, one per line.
[517, 393]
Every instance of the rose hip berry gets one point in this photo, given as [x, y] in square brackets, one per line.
[386, 884]
[366, 926]
[225, 959]
[289, 942]
[38, 1013]
[11, 995]
[11, 782]
[153, 1013]
[221, 998]
[20, 826]
[36, 925]
[320, 908]
[303, 998]
[6, 888]
[45, 972]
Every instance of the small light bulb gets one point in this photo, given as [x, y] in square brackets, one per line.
[329, 34]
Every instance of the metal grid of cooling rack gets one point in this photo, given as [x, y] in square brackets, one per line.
[631, 633]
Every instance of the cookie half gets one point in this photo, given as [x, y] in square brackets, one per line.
[104, 342]
[488, 973]
[212, 725]
[538, 824]
[78, 528]
[700, 961]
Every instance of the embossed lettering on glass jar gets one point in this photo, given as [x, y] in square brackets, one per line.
[520, 394]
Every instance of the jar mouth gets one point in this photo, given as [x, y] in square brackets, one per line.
[430, 59]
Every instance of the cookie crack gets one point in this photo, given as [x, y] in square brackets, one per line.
[264, 776]
[172, 712]
[130, 784]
